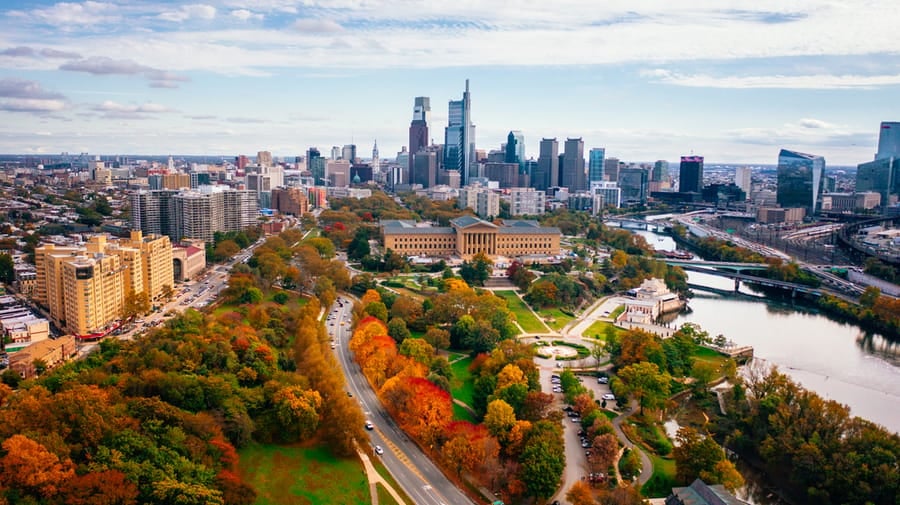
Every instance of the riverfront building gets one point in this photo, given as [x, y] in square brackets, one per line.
[467, 236]
[801, 179]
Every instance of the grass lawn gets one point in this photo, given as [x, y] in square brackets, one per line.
[287, 475]
[386, 475]
[610, 414]
[598, 328]
[524, 315]
[462, 387]
[710, 356]
[461, 414]
[663, 478]
[554, 317]
[385, 497]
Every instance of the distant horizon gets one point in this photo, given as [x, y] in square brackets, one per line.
[656, 79]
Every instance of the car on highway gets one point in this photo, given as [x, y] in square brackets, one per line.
[379, 450]
[370, 426]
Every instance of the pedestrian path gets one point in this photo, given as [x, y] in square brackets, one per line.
[375, 478]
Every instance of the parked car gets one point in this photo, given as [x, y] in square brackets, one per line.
[602, 380]
[609, 396]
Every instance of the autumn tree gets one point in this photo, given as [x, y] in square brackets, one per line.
[29, 466]
[397, 329]
[701, 457]
[604, 450]
[499, 419]
[580, 494]
[437, 337]
[298, 410]
[646, 384]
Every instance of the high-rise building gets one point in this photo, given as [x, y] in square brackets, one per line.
[459, 137]
[241, 161]
[742, 178]
[572, 169]
[418, 128]
[290, 201]
[881, 176]
[595, 164]
[506, 174]
[196, 214]
[376, 163]
[515, 147]
[526, 202]
[315, 163]
[264, 158]
[485, 202]
[888, 141]
[611, 169]
[800, 180]
[633, 183]
[424, 170]
[547, 173]
[690, 174]
[606, 194]
[153, 212]
[349, 153]
[660, 171]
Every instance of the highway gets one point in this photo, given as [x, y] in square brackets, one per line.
[416, 474]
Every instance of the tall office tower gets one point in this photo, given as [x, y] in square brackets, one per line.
[690, 174]
[376, 163]
[595, 164]
[888, 141]
[660, 171]
[264, 158]
[315, 163]
[424, 170]
[634, 182]
[573, 165]
[515, 147]
[349, 153]
[881, 176]
[742, 179]
[506, 174]
[241, 161]
[418, 128]
[547, 173]
[336, 153]
[611, 169]
[801, 178]
[459, 137]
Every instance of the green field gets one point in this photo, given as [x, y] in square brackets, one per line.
[663, 478]
[554, 317]
[710, 356]
[386, 475]
[462, 387]
[524, 315]
[384, 496]
[295, 475]
[598, 329]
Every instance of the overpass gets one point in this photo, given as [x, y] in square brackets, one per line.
[705, 266]
[793, 287]
[634, 224]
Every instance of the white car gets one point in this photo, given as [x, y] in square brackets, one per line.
[379, 450]
[609, 396]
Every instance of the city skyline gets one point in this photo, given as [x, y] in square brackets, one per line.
[731, 82]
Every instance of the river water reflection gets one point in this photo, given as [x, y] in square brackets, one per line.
[838, 361]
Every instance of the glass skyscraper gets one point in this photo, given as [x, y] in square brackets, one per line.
[595, 164]
[418, 128]
[888, 141]
[515, 148]
[801, 178]
[690, 174]
[459, 137]
[634, 183]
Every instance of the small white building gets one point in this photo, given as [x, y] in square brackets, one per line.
[648, 301]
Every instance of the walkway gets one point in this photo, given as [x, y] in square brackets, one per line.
[646, 464]
[375, 478]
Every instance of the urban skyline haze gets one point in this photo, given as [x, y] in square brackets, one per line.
[731, 81]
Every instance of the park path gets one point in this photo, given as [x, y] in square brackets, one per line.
[646, 463]
[375, 478]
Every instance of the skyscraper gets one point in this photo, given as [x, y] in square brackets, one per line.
[315, 163]
[660, 171]
[376, 163]
[595, 164]
[690, 174]
[573, 165]
[742, 178]
[611, 169]
[349, 153]
[888, 141]
[881, 176]
[634, 184]
[459, 137]
[547, 173]
[800, 180]
[515, 147]
[418, 128]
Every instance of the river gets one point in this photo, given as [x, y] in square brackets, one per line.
[836, 360]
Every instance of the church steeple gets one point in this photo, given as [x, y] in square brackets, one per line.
[375, 162]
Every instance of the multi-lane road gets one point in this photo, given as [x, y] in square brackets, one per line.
[411, 468]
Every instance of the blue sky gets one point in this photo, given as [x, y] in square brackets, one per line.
[652, 79]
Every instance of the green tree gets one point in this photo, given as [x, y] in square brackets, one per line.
[136, 304]
[377, 309]
[417, 349]
[869, 296]
[499, 419]
[697, 456]
[359, 246]
[542, 464]
[646, 383]
[7, 273]
[398, 331]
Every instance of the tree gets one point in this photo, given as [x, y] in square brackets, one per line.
[415, 348]
[476, 272]
[646, 383]
[511, 374]
[604, 450]
[359, 246]
[630, 464]
[438, 338]
[136, 304]
[29, 466]
[377, 309]
[869, 296]
[108, 487]
[701, 457]
[542, 464]
[7, 273]
[704, 372]
[499, 419]
[580, 494]
[324, 246]
[397, 329]
[598, 352]
[298, 411]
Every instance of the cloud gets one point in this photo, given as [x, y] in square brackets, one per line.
[100, 65]
[186, 12]
[117, 110]
[20, 95]
[246, 15]
[64, 14]
[54, 53]
[202, 117]
[805, 134]
[310, 25]
[815, 123]
[819, 81]
[19, 51]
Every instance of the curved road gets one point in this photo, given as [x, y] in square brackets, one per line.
[416, 474]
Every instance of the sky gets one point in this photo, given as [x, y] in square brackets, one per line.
[734, 81]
